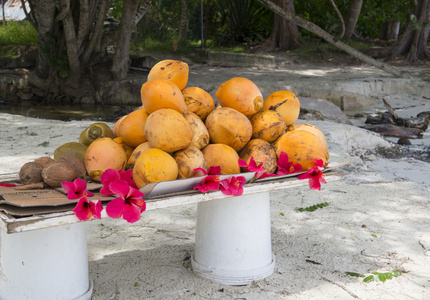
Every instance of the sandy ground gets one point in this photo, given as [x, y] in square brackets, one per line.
[378, 220]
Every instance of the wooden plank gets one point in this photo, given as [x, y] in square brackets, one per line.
[16, 225]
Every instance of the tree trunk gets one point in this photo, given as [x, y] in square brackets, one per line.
[284, 34]
[46, 21]
[351, 19]
[413, 42]
[71, 44]
[121, 57]
[329, 38]
[183, 25]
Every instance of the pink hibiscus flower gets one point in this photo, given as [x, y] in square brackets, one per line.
[88, 210]
[76, 189]
[129, 204]
[252, 167]
[111, 175]
[234, 186]
[285, 166]
[211, 181]
[315, 175]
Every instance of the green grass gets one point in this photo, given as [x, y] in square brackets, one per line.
[17, 33]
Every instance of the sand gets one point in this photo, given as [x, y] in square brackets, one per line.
[378, 220]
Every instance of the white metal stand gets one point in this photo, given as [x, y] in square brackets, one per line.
[49, 263]
[233, 240]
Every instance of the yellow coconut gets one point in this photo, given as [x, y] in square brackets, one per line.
[302, 147]
[285, 103]
[168, 130]
[262, 152]
[162, 93]
[222, 155]
[228, 126]
[128, 149]
[198, 101]
[267, 125]
[240, 94]
[201, 134]
[102, 154]
[135, 154]
[189, 159]
[154, 165]
[173, 70]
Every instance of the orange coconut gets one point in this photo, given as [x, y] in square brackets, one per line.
[302, 147]
[222, 155]
[198, 101]
[267, 125]
[285, 103]
[240, 94]
[154, 165]
[228, 126]
[103, 154]
[168, 130]
[173, 70]
[116, 126]
[162, 93]
[188, 160]
[262, 152]
[201, 134]
[132, 128]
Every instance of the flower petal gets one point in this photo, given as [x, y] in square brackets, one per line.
[82, 209]
[107, 177]
[214, 170]
[131, 213]
[96, 208]
[201, 170]
[120, 188]
[115, 208]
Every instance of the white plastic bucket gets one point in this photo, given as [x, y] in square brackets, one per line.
[233, 240]
[49, 263]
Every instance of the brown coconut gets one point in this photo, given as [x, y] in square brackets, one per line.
[30, 172]
[168, 130]
[76, 164]
[241, 94]
[262, 152]
[222, 155]
[267, 125]
[154, 165]
[285, 103]
[58, 172]
[302, 147]
[189, 159]
[201, 134]
[228, 126]
[198, 101]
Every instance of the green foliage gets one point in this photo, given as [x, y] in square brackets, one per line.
[242, 21]
[376, 276]
[17, 33]
[373, 14]
[313, 207]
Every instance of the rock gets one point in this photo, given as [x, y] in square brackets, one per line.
[326, 109]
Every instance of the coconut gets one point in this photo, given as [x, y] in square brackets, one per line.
[201, 134]
[302, 147]
[222, 155]
[58, 172]
[162, 93]
[240, 94]
[168, 130]
[154, 165]
[228, 126]
[262, 152]
[173, 70]
[198, 101]
[285, 103]
[267, 125]
[189, 159]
